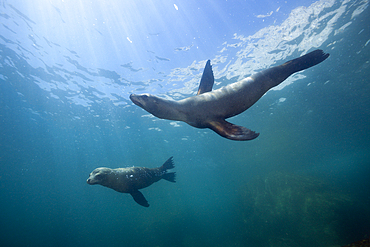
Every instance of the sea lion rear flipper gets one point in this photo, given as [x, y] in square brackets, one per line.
[169, 176]
[306, 61]
[169, 164]
[232, 131]
[139, 198]
[207, 81]
[277, 74]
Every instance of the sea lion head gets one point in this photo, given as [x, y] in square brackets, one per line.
[149, 102]
[99, 176]
[159, 107]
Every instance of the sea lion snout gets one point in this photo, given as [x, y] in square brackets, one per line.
[89, 181]
[93, 180]
[137, 99]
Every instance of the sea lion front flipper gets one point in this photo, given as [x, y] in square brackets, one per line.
[139, 198]
[207, 81]
[232, 131]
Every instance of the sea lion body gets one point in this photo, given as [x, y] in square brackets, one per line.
[209, 109]
[224, 103]
[132, 179]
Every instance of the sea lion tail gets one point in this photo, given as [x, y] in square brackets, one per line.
[169, 176]
[304, 62]
[278, 74]
[169, 164]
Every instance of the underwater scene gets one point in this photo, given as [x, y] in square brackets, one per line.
[67, 123]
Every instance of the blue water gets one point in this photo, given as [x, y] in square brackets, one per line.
[68, 67]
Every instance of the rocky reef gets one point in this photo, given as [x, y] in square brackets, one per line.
[283, 210]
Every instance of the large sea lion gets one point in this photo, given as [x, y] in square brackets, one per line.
[209, 109]
[131, 180]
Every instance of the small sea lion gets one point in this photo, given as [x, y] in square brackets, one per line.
[209, 109]
[132, 179]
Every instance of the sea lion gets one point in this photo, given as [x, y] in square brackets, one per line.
[209, 109]
[132, 179]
